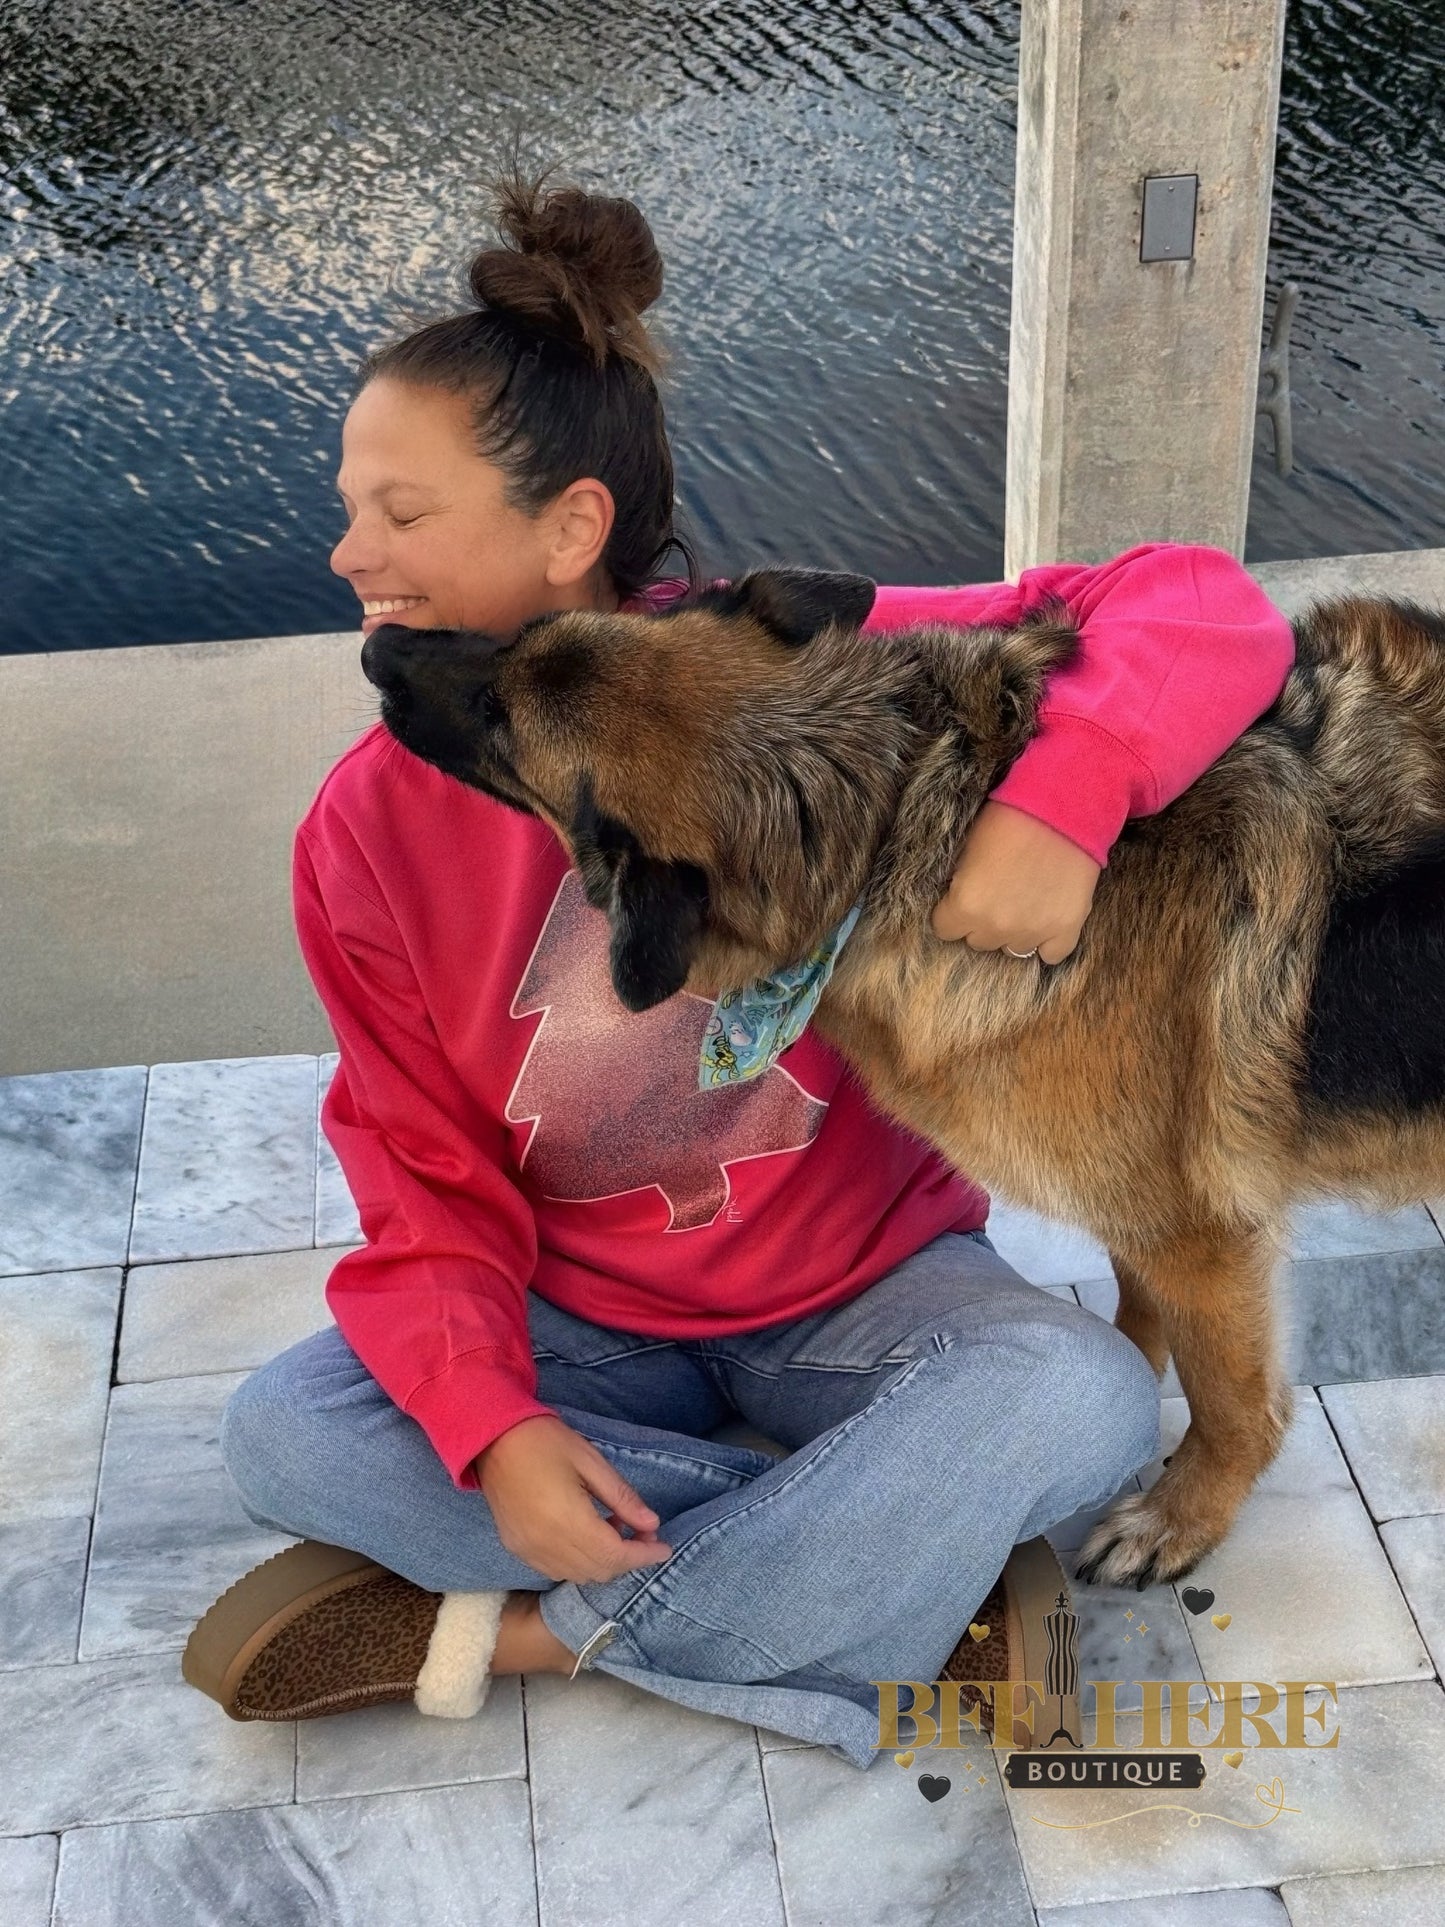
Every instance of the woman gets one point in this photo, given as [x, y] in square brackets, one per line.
[778, 1250]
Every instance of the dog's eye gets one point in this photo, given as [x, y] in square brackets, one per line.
[488, 708]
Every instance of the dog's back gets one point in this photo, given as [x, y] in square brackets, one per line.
[1277, 933]
[1365, 704]
[1333, 808]
[1370, 685]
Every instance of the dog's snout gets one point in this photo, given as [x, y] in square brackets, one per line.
[441, 664]
[383, 657]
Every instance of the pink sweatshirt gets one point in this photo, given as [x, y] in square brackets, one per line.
[504, 1124]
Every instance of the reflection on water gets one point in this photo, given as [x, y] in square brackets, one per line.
[212, 208]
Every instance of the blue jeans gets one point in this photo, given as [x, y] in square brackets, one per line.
[931, 1422]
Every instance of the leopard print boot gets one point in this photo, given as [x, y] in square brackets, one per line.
[319, 1630]
[1024, 1630]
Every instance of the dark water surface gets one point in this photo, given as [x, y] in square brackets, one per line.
[210, 208]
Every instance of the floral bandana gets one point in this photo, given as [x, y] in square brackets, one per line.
[749, 1029]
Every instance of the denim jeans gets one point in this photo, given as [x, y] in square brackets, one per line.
[930, 1423]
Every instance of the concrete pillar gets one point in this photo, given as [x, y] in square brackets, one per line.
[1133, 385]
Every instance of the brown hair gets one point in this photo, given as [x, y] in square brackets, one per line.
[558, 365]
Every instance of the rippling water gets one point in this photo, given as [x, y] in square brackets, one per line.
[211, 208]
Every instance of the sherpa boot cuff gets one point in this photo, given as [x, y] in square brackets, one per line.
[456, 1672]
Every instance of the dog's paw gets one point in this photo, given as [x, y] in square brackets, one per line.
[1144, 1542]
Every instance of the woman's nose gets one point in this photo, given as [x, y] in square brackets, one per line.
[351, 555]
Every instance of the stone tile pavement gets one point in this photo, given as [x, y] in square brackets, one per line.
[164, 1229]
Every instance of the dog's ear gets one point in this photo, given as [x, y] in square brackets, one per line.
[599, 843]
[795, 604]
[658, 912]
[656, 909]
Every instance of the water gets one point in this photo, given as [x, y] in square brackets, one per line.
[212, 207]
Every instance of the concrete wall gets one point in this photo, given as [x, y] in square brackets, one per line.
[148, 799]
[1133, 385]
[147, 803]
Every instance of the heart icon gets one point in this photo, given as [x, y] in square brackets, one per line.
[933, 1786]
[976, 1632]
[1233, 1759]
[903, 1759]
[1196, 1599]
[1221, 1620]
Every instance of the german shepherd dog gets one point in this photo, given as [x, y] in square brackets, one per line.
[1254, 1013]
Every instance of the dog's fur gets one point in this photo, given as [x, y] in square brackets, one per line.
[1255, 1011]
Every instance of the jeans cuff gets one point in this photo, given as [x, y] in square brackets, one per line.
[580, 1626]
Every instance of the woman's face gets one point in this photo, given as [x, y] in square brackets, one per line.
[431, 531]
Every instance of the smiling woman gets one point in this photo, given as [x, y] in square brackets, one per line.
[454, 551]
[576, 1262]
[513, 459]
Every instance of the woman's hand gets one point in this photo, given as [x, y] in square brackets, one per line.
[1017, 885]
[537, 1477]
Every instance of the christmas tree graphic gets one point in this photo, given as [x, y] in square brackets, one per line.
[611, 1095]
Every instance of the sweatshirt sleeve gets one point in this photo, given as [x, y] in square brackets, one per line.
[434, 1304]
[1180, 651]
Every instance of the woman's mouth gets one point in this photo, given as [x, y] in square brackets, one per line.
[387, 609]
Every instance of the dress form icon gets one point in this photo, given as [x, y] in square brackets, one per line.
[1061, 1670]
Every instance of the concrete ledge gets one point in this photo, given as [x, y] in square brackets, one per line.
[148, 800]
[1415, 575]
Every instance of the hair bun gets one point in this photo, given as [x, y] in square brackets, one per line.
[577, 265]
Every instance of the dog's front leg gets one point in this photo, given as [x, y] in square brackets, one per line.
[1208, 1300]
[1139, 1316]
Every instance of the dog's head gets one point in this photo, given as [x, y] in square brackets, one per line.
[723, 771]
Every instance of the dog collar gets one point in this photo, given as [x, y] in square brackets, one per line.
[749, 1029]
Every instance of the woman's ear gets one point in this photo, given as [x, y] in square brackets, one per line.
[581, 519]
